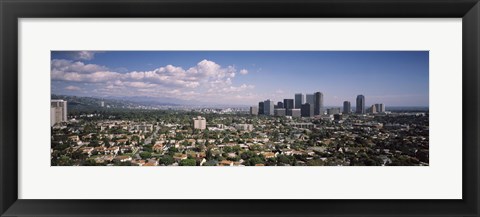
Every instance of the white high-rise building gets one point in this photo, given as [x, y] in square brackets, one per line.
[244, 127]
[253, 110]
[58, 111]
[199, 123]
[373, 109]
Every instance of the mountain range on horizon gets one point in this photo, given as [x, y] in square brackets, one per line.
[145, 101]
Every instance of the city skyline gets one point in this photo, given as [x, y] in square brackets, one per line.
[395, 78]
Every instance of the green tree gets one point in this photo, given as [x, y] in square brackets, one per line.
[283, 159]
[247, 154]
[188, 162]
[227, 149]
[145, 155]
[255, 160]
[316, 162]
[89, 162]
[106, 142]
[167, 160]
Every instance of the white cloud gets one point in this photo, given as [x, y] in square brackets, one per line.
[205, 79]
[206, 73]
[231, 89]
[243, 71]
[83, 55]
[78, 67]
[78, 77]
[72, 88]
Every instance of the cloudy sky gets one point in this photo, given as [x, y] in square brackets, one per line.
[244, 77]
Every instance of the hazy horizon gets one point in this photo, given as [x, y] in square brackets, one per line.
[394, 78]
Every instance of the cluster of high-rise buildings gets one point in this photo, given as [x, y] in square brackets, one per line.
[309, 106]
[296, 107]
[361, 109]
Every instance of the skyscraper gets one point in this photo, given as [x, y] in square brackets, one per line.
[261, 108]
[268, 107]
[307, 110]
[299, 100]
[380, 107]
[360, 107]
[58, 111]
[318, 106]
[310, 99]
[288, 105]
[347, 107]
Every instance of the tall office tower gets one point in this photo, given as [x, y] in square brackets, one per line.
[347, 107]
[382, 108]
[279, 104]
[261, 108]
[199, 123]
[253, 110]
[268, 107]
[360, 107]
[307, 110]
[311, 99]
[296, 113]
[373, 109]
[299, 100]
[318, 106]
[288, 105]
[58, 111]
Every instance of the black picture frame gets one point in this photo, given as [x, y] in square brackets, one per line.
[12, 10]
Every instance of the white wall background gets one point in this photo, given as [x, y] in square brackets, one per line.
[442, 179]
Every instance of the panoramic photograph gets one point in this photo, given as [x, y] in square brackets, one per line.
[239, 108]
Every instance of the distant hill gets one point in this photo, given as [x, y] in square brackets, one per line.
[82, 103]
[156, 101]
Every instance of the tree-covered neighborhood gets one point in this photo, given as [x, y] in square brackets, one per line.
[112, 133]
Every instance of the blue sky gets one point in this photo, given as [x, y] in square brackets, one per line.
[395, 78]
